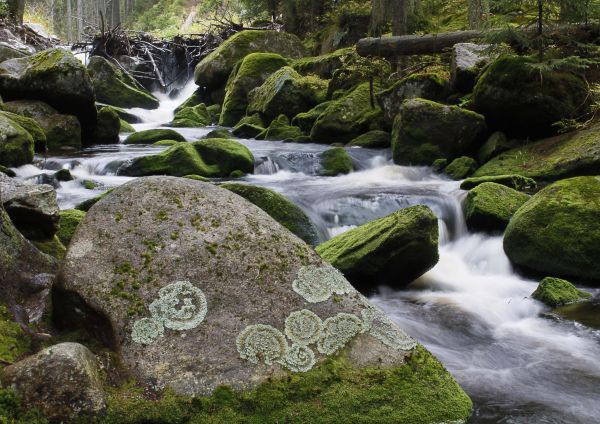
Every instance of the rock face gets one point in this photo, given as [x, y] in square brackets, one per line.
[26, 273]
[468, 60]
[16, 144]
[212, 72]
[424, 86]
[524, 102]
[557, 231]
[53, 76]
[116, 87]
[196, 288]
[33, 208]
[556, 292]
[393, 250]
[252, 72]
[62, 381]
[425, 131]
[490, 206]
[280, 208]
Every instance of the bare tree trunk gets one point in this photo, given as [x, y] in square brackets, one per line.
[15, 10]
[68, 22]
[478, 11]
[116, 13]
[79, 19]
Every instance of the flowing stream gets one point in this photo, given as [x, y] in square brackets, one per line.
[518, 363]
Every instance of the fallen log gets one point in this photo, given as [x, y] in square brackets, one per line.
[407, 45]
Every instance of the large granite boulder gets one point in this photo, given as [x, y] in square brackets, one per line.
[212, 71]
[425, 131]
[393, 250]
[197, 288]
[116, 87]
[62, 381]
[54, 76]
[26, 274]
[16, 144]
[557, 231]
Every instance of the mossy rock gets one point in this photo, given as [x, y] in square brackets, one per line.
[393, 250]
[7, 171]
[438, 165]
[521, 100]
[496, 144]
[306, 120]
[214, 69]
[63, 175]
[517, 182]
[425, 131]
[557, 292]
[14, 342]
[192, 117]
[152, 136]
[69, 220]
[287, 92]
[490, 206]
[108, 128]
[197, 178]
[52, 247]
[209, 158]
[252, 72]
[324, 65]
[461, 168]
[87, 204]
[375, 139]
[247, 131]
[280, 208]
[194, 100]
[125, 127]
[557, 231]
[567, 155]
[347, 118]
[280, 129]
[116, 87]
[126, 116]
[429, 86]
[335, 161]
[16, 144]
[221, 133]
[32, 127]
[167, 143]
[215, 111]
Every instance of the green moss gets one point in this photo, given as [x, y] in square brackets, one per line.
[254, 119]
[90, 185]
[152, 136]
[52, 247]
[247, 130]
[219, 134]
[167, 143]
[12, 410]
[32, 127]
[306, 120]
[323, 66]
[87, 204]
[108, 126]
[194, 100]
[556, 292]
[490, 206]
[14, 342]
[125, 127]
[375, 139]
[16, 144]
[517, 182]
[69, 220]
[335, 161]
[418, 392]
[279, 208]
[461, 168]
[280, 129]
[192, 117]
[197, 178]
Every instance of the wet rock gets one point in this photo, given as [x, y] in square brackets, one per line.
[192, 117]
[468, 60]
[490, 206]
[335, 161]
[425, 131]
[32, 127]
[62, 381]
[375, 139]
[461, 168]
[557, 292]
[116, 87]
[557, 231]
[108, 128]
[33, 208]
[16, 144]
[152, 136]
[393, 250]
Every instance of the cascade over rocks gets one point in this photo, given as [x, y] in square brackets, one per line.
[195, 287]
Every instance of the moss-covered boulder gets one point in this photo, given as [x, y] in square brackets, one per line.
[69, 220]
[247, 130]
[280, 129]
[63, 132]
[152, 136]
[557, 292]
[429, 86]
[347, 118]
[375, 139]
[557, 231]
[32, 127]
[287, 92]
[521, 100]
[425, 131]
[125, 127]
[123, 114]
[220, 133]
[192, 117]
[16, 144]
[324, 65]
[116, 87]
[517, 182]
[490, 206]
[14, 342]
[393, 250]
[54, 76]
[335, 161]
[212, 157]
[252, 72]
[87, 204]
[460, 168]
[212, 71]
[51, 246]
[63, 175]
[108, 128]
[306, 120]
[261, 313]
[496, 144]
[567, 155]
[280, 208]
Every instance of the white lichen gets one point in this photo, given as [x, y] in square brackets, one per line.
[299, 359]
[181, 306]
[146, 330]
[303, 327]
[261, 342]
[318, 283]
[378, 325]
[337, 332]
